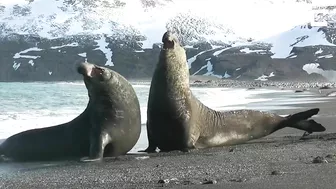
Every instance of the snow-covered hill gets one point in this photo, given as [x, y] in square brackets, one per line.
[238, 39]
[210, 18]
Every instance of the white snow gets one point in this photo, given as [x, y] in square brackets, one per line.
[48, 20]
[103, 46]
[209, 68]
[314, 68]
[193, 59]
[18, 55]
[82, 54]
[238, 69]
[323, 3]
[319, 51]
[325, 56]
[293, 56]
[247, 50]
[299, 36]
[31, 62]
[67, 45]
[216, 53]
[265, 77]
[16, 65]
[50, 72]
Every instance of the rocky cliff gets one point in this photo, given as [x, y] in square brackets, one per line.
[30, 52]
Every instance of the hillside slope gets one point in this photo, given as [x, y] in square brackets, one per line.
[42, 39]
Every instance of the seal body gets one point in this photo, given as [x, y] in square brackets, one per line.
[177, 120]
[109, 126]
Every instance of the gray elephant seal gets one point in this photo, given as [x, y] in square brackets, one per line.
[109, 126]
[176, 120]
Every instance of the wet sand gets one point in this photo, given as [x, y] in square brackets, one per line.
[280, 160]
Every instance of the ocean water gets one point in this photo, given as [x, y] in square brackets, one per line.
[26, 106]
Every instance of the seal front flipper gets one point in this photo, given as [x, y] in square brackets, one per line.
[98, 141]
[301, 121]
[151, 147]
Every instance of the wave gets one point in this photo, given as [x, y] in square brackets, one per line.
[57, 109]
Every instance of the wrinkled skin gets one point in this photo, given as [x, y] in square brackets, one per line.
[177, 120]
[109, 126]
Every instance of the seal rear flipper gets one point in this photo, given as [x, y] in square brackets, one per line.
[300, 121]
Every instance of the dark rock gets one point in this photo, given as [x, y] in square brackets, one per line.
[331, 156]
[325, 87]
[165, 181]
[319, 159]
[277, 172]
[209, 182]
[298, 91]
[238, 180]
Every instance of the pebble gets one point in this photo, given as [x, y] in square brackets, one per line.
[254, 84]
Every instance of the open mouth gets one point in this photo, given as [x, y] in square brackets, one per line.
[95, 71]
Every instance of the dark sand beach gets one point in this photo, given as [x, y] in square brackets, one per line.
[280, 160]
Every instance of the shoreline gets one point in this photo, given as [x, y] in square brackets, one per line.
[227, 83]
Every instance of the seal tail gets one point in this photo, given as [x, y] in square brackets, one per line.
[301, 121]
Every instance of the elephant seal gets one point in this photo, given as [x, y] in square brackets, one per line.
[177, 120]
[109, 126]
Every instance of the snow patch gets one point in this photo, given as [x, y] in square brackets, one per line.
[293, 56]
[325, 56]
[82, 54]
[103, 46]
[319, 51]
[193, 59]
[18, 55]
[238, 69]
[299, 36]
[314, 68]
[16, 65]
[75, 44]
[31, 62]
[216, 53]
[50, 72]
[247, 50]
[265, 77]
[210, 71]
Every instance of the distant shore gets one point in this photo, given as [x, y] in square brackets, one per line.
[209, 81]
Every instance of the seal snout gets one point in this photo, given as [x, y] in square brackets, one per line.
[85, 69]
[168, 40]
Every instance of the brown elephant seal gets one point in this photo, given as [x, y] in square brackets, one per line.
[176, 120]
[109, 126]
